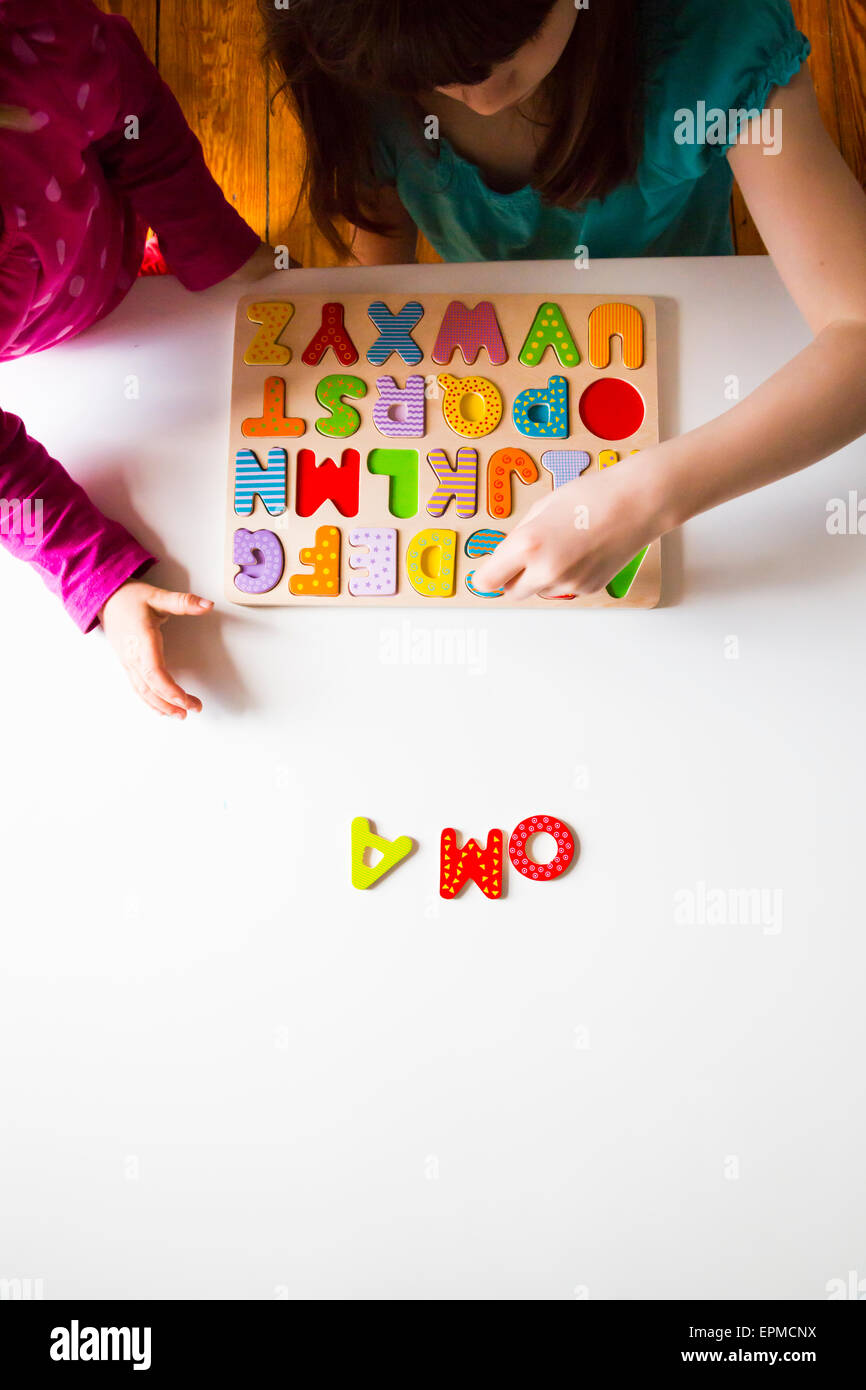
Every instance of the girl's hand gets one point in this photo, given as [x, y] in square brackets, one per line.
[132, 619]
[576, 540]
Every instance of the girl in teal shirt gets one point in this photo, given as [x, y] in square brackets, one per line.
[534, 129]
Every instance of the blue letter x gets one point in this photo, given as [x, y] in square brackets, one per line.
[395, 333]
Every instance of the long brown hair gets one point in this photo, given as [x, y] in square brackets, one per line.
[338, 57]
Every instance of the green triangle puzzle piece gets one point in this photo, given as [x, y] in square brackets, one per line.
[549, 329]
[622, 582]
[392, 852]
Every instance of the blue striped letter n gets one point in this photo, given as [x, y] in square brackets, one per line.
[270, 483]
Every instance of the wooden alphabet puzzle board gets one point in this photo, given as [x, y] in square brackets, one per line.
[379, 449]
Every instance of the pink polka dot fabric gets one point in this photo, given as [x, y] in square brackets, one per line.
[79, 184]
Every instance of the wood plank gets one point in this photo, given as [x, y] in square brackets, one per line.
[425, 253]
[142, 15]
[813, 18]
[285, 168]
[848, 39]
[747, 239]
[209, 54]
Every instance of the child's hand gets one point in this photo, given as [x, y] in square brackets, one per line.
[132, 619]
[576, 540]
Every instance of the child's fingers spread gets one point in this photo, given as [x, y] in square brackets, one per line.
[178, 605]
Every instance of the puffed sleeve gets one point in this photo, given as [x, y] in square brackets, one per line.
[709, 67]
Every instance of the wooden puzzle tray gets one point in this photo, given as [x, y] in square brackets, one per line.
[380, 449]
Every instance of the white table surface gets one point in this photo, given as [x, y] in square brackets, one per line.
[226, 1073]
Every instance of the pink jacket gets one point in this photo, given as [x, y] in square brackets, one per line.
[93, 148]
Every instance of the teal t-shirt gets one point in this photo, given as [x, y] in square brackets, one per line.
[727, 55]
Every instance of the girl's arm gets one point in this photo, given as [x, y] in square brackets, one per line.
[51, 522]
[812, 215]
[161, 171]
[90, 562]
[399, 249]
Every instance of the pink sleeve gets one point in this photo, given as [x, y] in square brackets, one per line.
[47, 519]
[163, 173]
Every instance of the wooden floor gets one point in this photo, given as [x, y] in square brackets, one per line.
[209, 53]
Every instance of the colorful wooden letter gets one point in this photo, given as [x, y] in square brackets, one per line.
[549, 329]
[331, 334]
[482, 543]
[261, 560]
[484, 412]
[481, 593]
[328, 481]
[535, 825]
[608, 457]
[401, 466]
[608, 320]
[458, 482]
[252, 481]
[378, 560]
[324, 557]
[265, 349]
[395, 333]
[565, 465]
[457, 866]
[543, 414]
[502, 465]
[431, 563]
[622, 582]
[400, 413]
[344, 420]
[273, 420]
[470, 330]
[392, 853]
